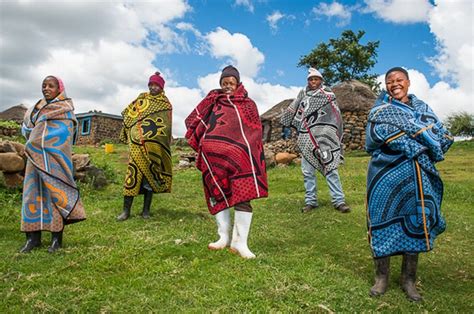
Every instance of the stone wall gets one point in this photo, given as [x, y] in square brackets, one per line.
[9, 131]
[102, 128]
[272, 130]
[354, 130]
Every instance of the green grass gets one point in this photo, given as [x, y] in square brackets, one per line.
[314, 262]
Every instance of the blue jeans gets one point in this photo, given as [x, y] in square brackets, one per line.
[310, 185]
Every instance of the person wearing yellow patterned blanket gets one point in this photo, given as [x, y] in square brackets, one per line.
[147, 130]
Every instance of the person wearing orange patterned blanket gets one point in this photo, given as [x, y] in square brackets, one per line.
[50, 196]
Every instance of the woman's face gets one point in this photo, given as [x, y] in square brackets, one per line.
[154, 88]
[397, 85]
[229, 84]
[50, 88]
[314, 82]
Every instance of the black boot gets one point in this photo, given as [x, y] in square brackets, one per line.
[146, 204]
[408, 278]
[127, 205]
[382, 270]
[33, 240]
[56, 241]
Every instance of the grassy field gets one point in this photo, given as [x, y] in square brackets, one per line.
[316, 262]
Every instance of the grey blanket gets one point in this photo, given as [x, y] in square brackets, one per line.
[316, 117]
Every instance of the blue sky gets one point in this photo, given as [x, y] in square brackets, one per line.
[106, 50]
[298, 35]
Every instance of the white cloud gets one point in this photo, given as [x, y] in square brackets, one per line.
[102, 50]
[451, 23]
[184, 100]
[273, 19]
[245, 3]
[238, 48]
[183, 26]
[399, 11]
[334, 10]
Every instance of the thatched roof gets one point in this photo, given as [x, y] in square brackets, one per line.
[276, 111]
[351, 96]
[15, 113]
[354, 96]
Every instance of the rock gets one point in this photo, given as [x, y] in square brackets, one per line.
[80, 176]
[7, 147]
[190, 157]
[269, 158]
[80, 161]
[13, 180]
[184, 164]
[97, 176]
[11, 162]
[285, 158]
[20, 148]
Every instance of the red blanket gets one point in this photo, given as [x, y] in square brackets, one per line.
[226, 132]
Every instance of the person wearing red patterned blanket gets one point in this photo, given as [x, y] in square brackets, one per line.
[226, 132]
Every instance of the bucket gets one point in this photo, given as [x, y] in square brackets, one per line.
[109, 148]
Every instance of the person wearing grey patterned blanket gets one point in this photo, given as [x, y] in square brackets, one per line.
[317, 119]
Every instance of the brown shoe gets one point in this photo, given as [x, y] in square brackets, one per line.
[308, 208]
[343, 208]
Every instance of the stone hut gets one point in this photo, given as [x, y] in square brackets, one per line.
[96, 126]
[15, 113]
[272, 128]
[354, 99]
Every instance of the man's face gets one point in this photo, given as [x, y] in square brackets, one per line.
[154, 88]
[314, 82]
[397, 85]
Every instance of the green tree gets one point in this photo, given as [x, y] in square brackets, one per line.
[461, 124]
[344, 59]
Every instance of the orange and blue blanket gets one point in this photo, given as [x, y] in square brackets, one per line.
[404, 189]
[50, 196]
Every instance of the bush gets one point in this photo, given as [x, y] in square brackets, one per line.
[9, 124]
[461, 124]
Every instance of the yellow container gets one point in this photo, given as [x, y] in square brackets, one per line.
[109, 148]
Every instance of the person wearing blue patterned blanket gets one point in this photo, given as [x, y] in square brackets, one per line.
[404, 190]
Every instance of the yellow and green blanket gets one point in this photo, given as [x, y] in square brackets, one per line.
[147, 130]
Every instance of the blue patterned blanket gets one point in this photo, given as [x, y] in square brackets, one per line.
[404, 189]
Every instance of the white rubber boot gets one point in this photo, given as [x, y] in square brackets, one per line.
[223, 229]
[242, 224]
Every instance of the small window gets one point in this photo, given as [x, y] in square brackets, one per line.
[86, 126]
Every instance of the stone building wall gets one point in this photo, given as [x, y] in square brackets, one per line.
[274, 128]
[102, 128]
[354, 130]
